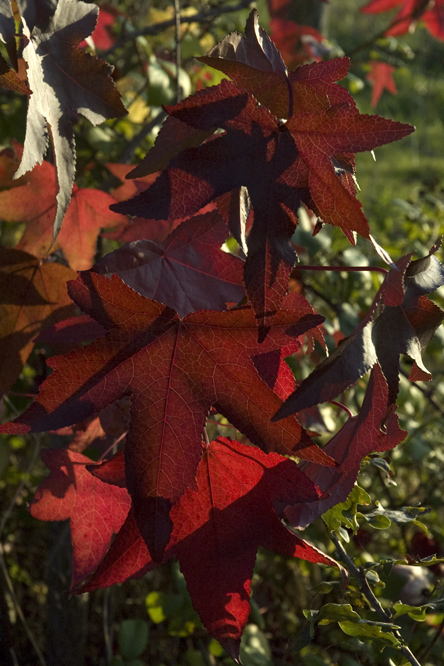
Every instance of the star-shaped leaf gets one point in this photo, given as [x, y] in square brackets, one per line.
[34, 202]
[217, 529]
[280, 164]
[96, 509]
[64, 81]
[187, 272]
[175, 370]
[381, 73]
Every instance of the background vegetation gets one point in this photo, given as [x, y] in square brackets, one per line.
[151, 621]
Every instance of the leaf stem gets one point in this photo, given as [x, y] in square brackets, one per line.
[438, 634]
[385, 616]
[341, 406]
[347, 269]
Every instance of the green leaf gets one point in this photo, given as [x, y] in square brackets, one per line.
[332, 613]
[380, 638]
[407, 514]
[417, 613]
[345, 513]
[155, 604]
[377, 520]
[255, 649]
[132, 638]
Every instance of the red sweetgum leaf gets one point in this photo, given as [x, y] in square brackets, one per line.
[102, 35]
[187, 272]
[8, 77]
[173, 137]
[96, 509]
[137, 228]
[174, 370]
[280, 164]
[33, 297]
[11, 80]
[86, 434]
[34, 203]
[411, 11]
[382, 76]
[385, 333]
[72, 331]
[363, 434]
[217, 529]
[297, 43]
[255, 65]
[64, 81]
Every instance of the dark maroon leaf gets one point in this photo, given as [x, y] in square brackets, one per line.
[385, 333]
[187, 272]
[369, 431]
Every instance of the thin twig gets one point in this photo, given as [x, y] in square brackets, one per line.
[178, 57]
[416, 14]
[21, 485]
[359, 574]
[426, 393]
[107, 626]
[436, 637]
[155, 29]
[18, 609]
[340, 269]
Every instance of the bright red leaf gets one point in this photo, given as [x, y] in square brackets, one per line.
[96, 509]
[217, 529]
[34, 202]
[187, 272]
[381, 74]
[102, 35]
[297, 43]
[174, 370]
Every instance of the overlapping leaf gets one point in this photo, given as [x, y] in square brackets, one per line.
[96, 509]
[281, 164]
[403, 321]
[217, 529]
[187, 272]
[64, 81]
[33, 297]
[369, 431]
[255, 65]
[34, 202]
[174, 370]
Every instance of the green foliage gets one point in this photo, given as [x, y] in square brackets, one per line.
[153, 621]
